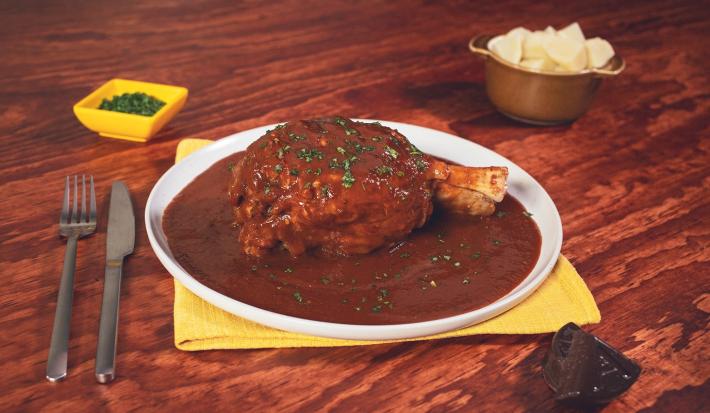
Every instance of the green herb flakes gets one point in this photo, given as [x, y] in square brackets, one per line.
[137, 103]
[391, 152]
[309, 154]
[348, 179]
[383, 170]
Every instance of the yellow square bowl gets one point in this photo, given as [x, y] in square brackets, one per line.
[137, 128]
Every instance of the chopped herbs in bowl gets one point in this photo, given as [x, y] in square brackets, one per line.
[137, 103]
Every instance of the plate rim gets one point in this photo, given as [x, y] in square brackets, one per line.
[327, 329]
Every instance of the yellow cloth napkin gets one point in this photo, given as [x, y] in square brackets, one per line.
[562, 298]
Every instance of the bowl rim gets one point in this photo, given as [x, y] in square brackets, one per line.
[616, 60]
[82, 105]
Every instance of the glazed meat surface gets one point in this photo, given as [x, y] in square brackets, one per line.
[346, 187]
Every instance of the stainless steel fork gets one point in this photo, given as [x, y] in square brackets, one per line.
[72, 228]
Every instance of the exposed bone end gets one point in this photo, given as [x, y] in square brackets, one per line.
[463, 200]
[490, 181]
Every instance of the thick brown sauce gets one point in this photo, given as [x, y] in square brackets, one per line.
[451, 265]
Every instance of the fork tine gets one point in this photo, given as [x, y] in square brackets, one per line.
[64, 216]
[92, 202]
[83, 198]
[74, 215]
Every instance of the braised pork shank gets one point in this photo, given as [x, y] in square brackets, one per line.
[347, 187]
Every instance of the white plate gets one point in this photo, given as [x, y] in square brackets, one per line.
[521, 185]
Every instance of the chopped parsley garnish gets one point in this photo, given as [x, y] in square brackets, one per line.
[476, 255]
[376, 138]
[333, 163]
[527, 214]
[340, 150]
[391, 152]
[135, 103]
[294, 137]
[400, 173]
[383, 170]
[293, 172]
[348, 179]
[298, 297]
[325, 190]
[230, 167]
[309, 154]
[377, 309]
[421, 165]
[278, 168]
[414, 151]
[351, 131]
[282, 151]
[267, 189]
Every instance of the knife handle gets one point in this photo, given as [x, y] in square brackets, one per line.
[108, 326]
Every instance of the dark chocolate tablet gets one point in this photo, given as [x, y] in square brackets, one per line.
[581, 368]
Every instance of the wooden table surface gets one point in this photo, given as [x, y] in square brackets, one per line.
[630, 179]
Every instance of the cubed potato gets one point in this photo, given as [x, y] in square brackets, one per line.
[567, 53]
[509, 48]
[519, 31]
[533, 46]
[573, 32]
[599, 51]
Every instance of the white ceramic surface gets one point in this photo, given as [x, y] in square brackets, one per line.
[520, 184]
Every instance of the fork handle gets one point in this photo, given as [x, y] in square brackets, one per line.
[108, 326]
[59, 346]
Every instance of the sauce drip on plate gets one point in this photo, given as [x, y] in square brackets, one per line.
[454, 264]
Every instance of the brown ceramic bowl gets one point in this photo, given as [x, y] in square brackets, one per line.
[536, 96]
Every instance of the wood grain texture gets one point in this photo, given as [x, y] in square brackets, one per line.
[630, 179]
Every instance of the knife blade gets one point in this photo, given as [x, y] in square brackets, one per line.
[120, 239]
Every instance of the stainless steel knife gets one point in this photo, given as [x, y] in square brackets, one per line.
[119, 243]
